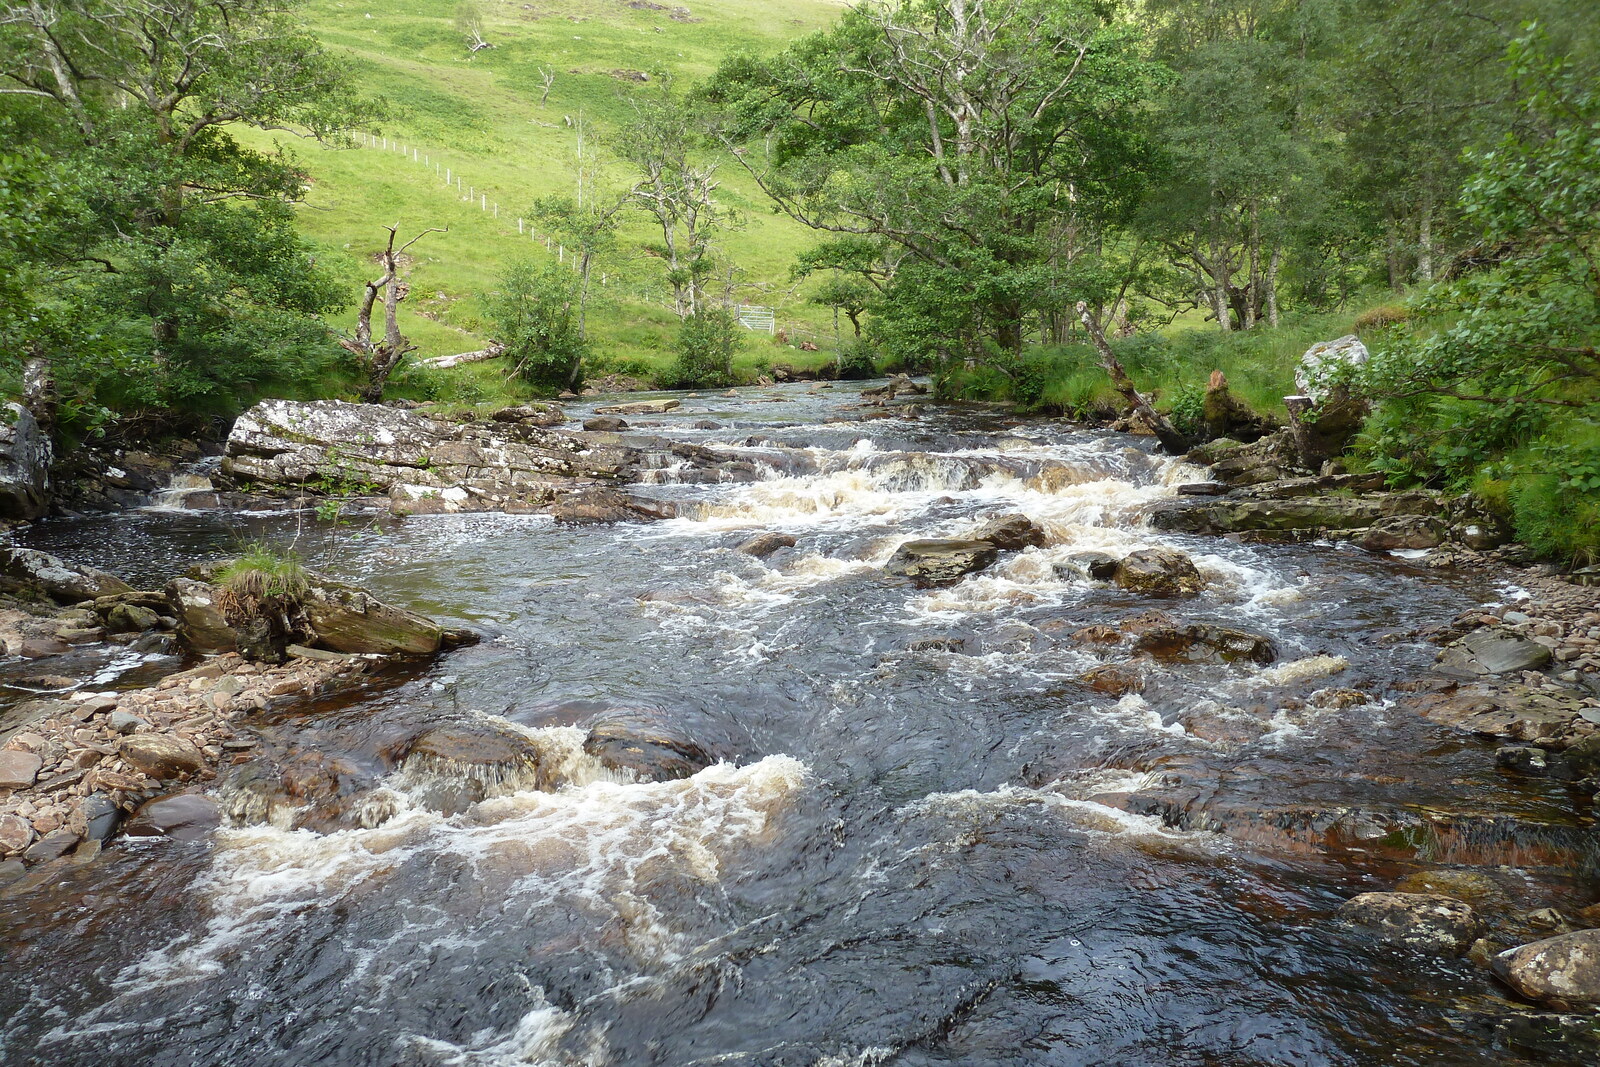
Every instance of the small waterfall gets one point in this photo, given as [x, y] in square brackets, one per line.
[189, 488]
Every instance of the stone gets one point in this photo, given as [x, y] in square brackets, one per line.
[531, 415]
[320, 655]
[201, 624]
[11, 870]
[605, 424]
[179, 816]
[124, 722]
[593, 506]
[1011, 533]
[940, 561]
[645, 748]
[1494, 650]
[131, 619]
[25, 457]
[19, 769]
[1204, 643]
[1116, 679]
[1327, 364]
[450, 768]
[1403, 532]
[100, 817]
[1426, 921]
[16, 833]
[346, 619]
[161, 756]
[68, 583]
[52, 846]
[1523, 759]
[1472, 887]
[1562, 971]
[763, 545]
[1159, 572]
[1096, 566]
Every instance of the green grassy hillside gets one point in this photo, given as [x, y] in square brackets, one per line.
[478, 116]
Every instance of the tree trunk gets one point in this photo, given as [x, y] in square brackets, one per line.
[1272, 287]
[1425, 241]
[1219, 286]
[1172, 442]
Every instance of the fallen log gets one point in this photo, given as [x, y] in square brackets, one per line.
[1172, 442]
[446, 362]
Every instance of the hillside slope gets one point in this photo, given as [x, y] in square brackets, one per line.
[476, 118]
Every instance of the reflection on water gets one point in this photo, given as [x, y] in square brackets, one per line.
[919, 850]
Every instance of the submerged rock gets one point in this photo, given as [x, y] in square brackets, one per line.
[1563, 971]
[940, 561]
[1114, 678]
[592, 506]
[1159, 572]
[1204, 643]
[1430, 922]
[1096, 566]
[763, 545]
[450, 768]
[641, 407]
[180, 816]
[644, 746]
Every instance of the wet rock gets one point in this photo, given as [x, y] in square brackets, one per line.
[1096, 566]
[179, 816]
[16, 833]
[11, 870]
[592, 506]
[18, 769]
[1523, 759]
[1471, 887]
[1403, 532]
[1563, 971]
[52, 846]
[366, 810]
[131, 619]
[940, 561]
[1203, 643]
[531, 415]
[25, 458]
[100, 817]
[1117, 679]
[347, 619]
[201, 623]
[1159, 572]
[1494, 650]
[1239, 463]
[644, 747]
[1430, 922]
[161, 756]
[1011, 533]
[605, 424]
[68, 583]
[763, 545]
[450, 768]
[1550, 1038]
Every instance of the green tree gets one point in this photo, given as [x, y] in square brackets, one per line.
[535, 316]
[707, 341]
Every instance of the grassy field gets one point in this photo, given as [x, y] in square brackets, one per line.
[477, 116]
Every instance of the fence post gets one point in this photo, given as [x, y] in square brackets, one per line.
[484, 206]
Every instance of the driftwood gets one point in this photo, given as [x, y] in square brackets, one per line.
[1172, 442]
[446, 362]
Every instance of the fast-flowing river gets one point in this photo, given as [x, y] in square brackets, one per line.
[916, 851]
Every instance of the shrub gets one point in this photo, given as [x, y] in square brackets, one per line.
[855, 361]
[1382, 317]
[706, 343]
[535, 315]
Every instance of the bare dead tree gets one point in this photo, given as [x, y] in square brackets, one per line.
[377, 360]
[469, 22]
[547, 78]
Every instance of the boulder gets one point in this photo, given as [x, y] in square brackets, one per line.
[347, 619]
[19, 769]
[131, 619]
[531, 415]
[1159, 572]
[179, 816]
[644, 747]
[52, 846]
[476, 465]
[1204, 643]
[68, 583]
[1010, 533]
[1328, 364]
[1563, 971]
[605, 424]
[200, 621]
[1404, 532]
[1426, 921]
[450, 768]
[16, 834]
[161, 756]
[1095, 566]
[641, 407]
[593, 506]
[100, 817]
[1493, 650]
[940, 561]
[25, 458]
[1114, 678]
[763, 545]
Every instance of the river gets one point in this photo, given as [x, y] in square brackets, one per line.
[919, 849]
